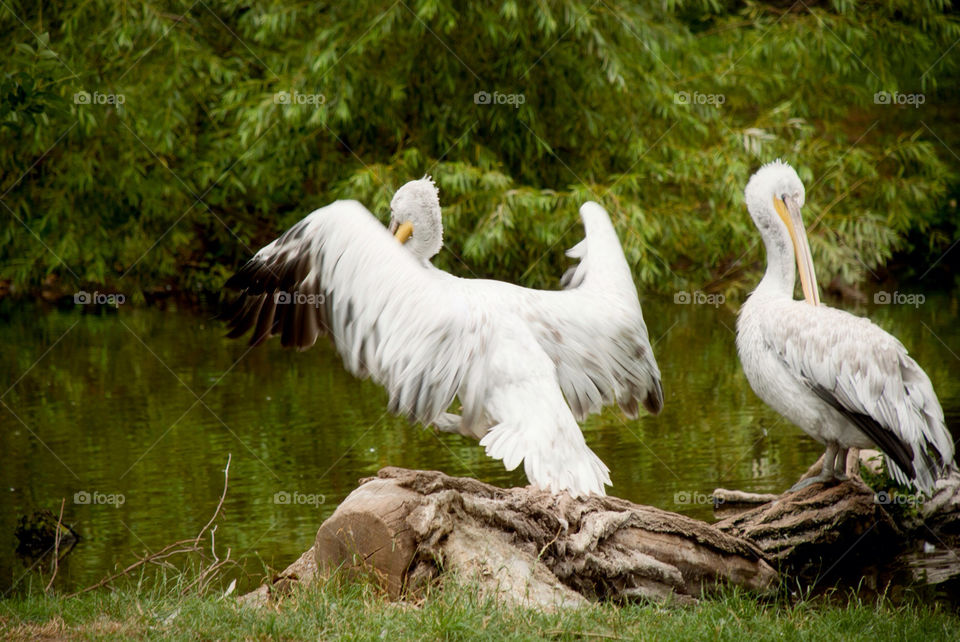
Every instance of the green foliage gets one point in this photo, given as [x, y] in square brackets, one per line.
[182, 158]
[901, 501]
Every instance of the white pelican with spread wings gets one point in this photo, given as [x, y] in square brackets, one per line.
[525, 364]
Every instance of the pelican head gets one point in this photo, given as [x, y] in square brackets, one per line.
[774, 197]
[415, 217]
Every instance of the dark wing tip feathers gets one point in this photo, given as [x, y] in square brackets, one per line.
[260, 304]
[653, 402]
[251, 277]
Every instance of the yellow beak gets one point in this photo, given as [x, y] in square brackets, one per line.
[789, 213]
[404, 232]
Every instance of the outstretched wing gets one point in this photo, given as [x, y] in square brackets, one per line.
[339, 272]
[866, 374]
[593, 330]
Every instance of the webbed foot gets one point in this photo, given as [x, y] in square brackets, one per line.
[810, 481]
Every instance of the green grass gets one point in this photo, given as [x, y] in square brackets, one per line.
[357, 611]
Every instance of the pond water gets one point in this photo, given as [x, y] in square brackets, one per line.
[135, 413]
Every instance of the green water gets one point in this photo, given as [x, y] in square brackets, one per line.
[147, 404]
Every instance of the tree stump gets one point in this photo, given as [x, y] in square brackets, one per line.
[368, 532]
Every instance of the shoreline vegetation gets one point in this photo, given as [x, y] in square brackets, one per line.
[144, 150]
[357, 610]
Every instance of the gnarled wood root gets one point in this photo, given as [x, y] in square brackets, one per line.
[818, 529]
[848, 529]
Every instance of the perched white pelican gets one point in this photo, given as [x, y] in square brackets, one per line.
[840, 378]
[525, 364]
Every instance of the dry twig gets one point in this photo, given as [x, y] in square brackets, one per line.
[181, 547]
[56, 546]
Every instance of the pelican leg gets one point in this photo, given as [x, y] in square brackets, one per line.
[854, 471]
[840, 468]
[448, 422]
[826, 473]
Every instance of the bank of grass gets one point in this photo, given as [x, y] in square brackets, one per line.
[357, 611]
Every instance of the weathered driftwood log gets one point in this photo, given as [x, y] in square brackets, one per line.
[528, 545]
[411, 528]
[729, 503]
[847, 529]
[941, 512]
[810, 532]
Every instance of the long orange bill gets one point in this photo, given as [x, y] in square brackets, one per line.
[789, 213]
